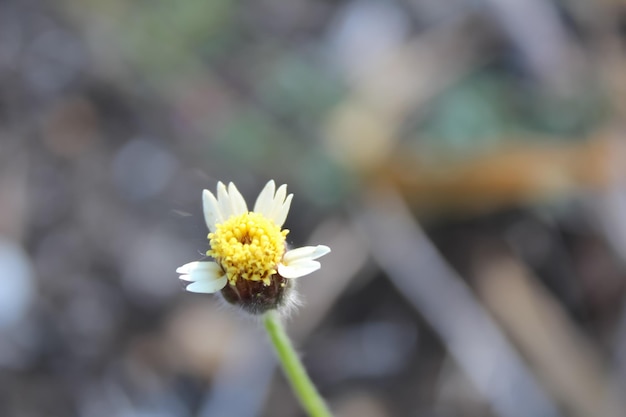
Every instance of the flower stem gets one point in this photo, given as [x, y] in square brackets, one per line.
[293, 368]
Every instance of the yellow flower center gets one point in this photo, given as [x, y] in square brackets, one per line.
[248, 246]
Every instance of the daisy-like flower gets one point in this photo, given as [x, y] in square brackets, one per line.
[252, 266]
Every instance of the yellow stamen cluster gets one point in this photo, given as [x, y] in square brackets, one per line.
[248, 246]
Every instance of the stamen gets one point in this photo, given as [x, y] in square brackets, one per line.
[248, 246]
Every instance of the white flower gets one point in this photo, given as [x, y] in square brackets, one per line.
[248, 247]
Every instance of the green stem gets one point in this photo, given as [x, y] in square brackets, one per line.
[293, 368]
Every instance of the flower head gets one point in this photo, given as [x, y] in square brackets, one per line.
[252, 266]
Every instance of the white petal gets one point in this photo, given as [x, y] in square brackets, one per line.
[212, 212]
[279, 198]
[196, 271]
[266, 199]
[199, 266]
[188, 267]
[236, 200]
[207, 286]
[298, 269]
[305, 253]
[277, 205]
[223, 200]
[280, 217]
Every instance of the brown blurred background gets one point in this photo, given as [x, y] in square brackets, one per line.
[465, 161]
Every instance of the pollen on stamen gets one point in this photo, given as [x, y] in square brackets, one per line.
[248, 246]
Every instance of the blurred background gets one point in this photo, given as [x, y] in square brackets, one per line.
[465, 161]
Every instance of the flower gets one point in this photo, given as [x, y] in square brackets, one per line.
[252, 266]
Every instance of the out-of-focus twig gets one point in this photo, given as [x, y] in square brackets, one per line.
[609, 211]
[347, 261]
[564, 359]
[413, 265]
[538, 31]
